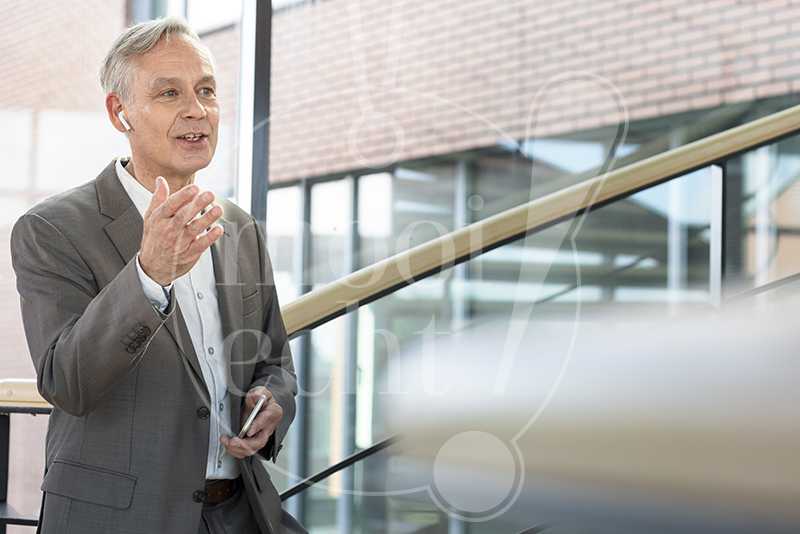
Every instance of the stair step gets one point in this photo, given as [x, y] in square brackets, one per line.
[9, 516]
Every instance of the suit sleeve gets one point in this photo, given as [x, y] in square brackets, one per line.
[275, 370]
[83, 339]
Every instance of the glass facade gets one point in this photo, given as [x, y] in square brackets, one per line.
[762, 216]
[638, 261]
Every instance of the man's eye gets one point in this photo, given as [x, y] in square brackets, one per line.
[206, 91]
[171, 92]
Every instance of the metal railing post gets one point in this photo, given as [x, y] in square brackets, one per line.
[5, 426]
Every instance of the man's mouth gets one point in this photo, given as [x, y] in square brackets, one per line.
[192, 137]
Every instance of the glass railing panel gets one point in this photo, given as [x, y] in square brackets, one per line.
[403, 209]
[762, 216]
[649, 252]
[377, 509]
[320, 517]
[634, 262]
[326, 400]
[395, 492]
[514, 173]
[387, 496]
[503, 181]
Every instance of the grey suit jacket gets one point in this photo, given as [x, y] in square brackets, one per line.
[127, 440]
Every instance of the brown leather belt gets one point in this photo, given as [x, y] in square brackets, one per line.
[220, 490]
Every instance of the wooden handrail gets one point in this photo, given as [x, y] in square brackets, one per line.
[381, 278]
[21, 393]
[367, 284]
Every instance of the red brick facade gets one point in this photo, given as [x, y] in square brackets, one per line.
[459, 62]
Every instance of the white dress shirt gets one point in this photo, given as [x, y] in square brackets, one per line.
[196, 292]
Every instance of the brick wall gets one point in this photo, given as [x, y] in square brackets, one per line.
[50, 53]
[468, 70]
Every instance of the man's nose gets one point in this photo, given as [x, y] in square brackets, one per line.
[192, 108]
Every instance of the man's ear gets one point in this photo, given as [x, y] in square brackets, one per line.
[114, 108]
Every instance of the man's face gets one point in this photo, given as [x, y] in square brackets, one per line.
[173, 112]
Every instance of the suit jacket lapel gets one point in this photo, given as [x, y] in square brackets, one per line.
[177, 328]
[125, 231]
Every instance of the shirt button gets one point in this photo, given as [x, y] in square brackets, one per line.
[219, 464]
[211, 350]
[221, 406]
[199, 496]
[199, 295]
[203, 412]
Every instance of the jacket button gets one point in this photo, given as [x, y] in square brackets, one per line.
[145, 330]
[140, 337]
[199, 496]
[131, 349]
[203, 412]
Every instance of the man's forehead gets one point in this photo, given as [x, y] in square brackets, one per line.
[173, 60]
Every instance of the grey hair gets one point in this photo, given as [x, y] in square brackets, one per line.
[115, 71]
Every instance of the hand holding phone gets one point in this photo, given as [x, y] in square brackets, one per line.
[252, 416]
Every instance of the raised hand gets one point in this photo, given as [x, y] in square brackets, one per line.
[171, 241]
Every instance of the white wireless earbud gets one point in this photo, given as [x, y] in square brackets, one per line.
[121, 118]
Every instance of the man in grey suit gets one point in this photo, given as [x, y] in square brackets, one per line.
[152, 319]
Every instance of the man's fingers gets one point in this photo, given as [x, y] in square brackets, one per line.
[236, 447]
[190, 210]
[262, 428]
[242, 448]
[260, 423]
[268, 419]
[252, 397]
[203, 242]
[195, 249]
[270, 414]
[204, 222]
[177, 201]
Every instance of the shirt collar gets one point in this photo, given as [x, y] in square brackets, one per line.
[139, 194]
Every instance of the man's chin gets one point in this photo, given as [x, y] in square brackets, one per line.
[193, 165]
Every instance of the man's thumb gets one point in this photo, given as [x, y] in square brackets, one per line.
[160, 195]
[162, 190]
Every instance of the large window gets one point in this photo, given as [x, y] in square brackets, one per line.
[633, 263]
[762, 195]
[642, 260]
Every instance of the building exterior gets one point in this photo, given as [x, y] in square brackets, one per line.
[394, 122]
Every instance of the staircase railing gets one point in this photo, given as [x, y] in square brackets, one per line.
[382, 278]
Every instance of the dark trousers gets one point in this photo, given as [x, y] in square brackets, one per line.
[231, 516]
